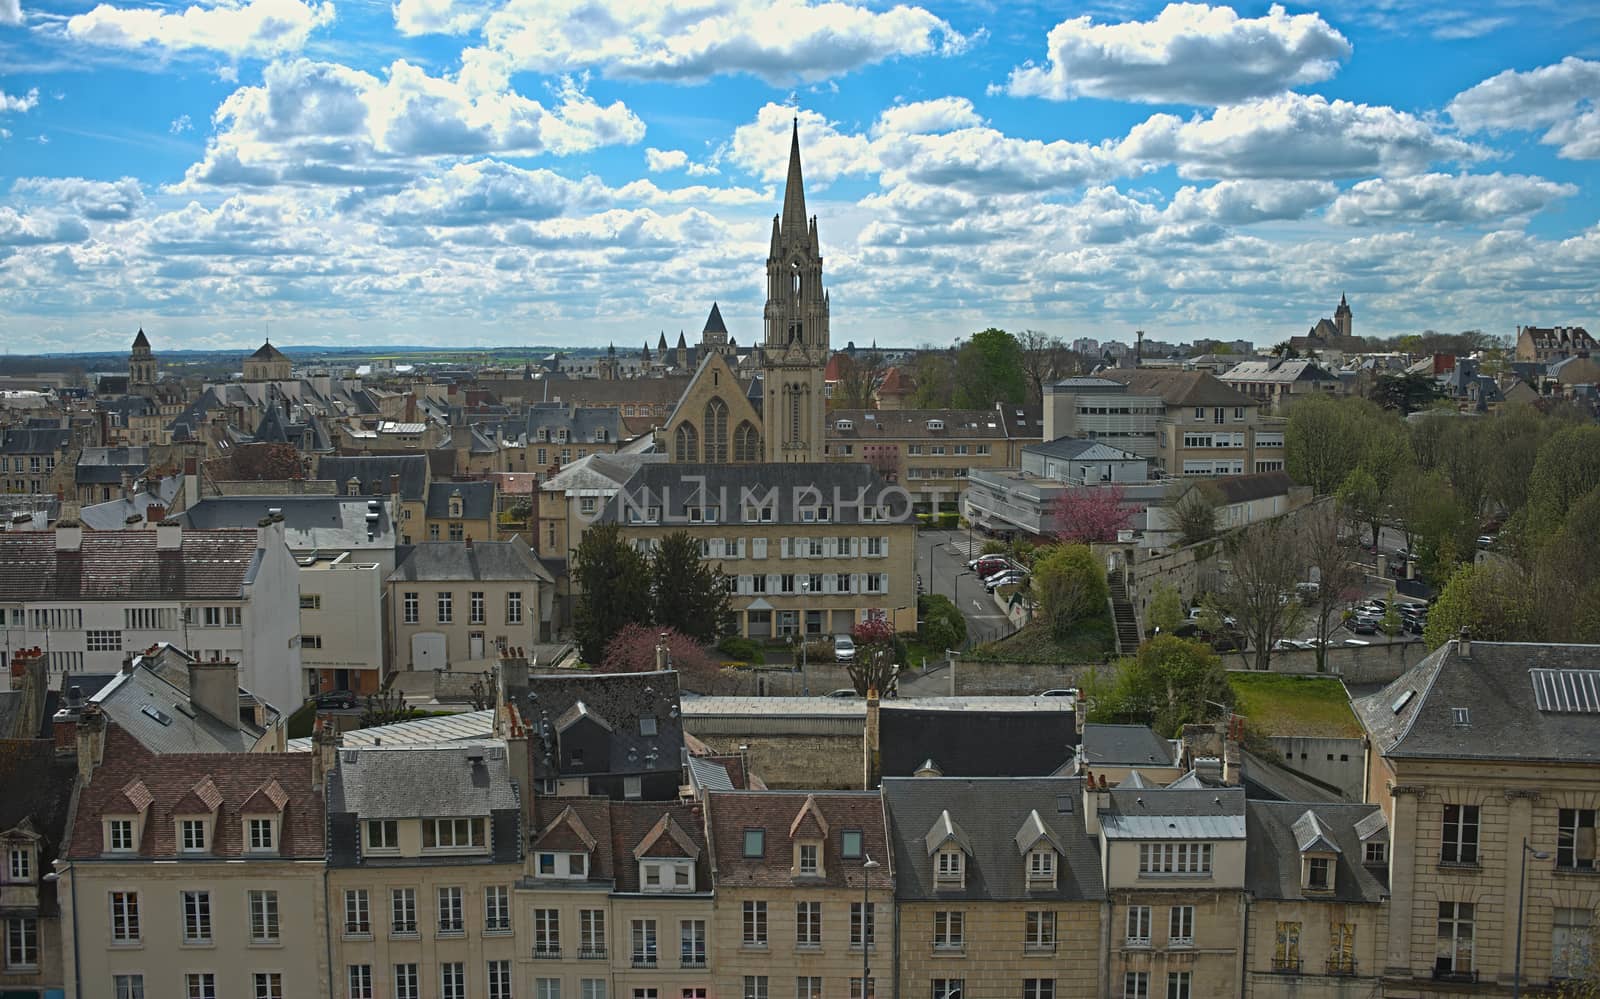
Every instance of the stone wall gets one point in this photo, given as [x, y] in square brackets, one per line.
[979, 678]
[820, 760]
[272, 487]
[1378, 662]
[1340, 762]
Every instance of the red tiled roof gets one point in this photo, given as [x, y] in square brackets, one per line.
[126, 565]
[202, 799]
[267, 799]
[169, 778]
[566, 832]
[632, 822]
[666, 839]
[594, 813]
[732, 812]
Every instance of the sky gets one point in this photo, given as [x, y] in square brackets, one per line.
[583, 172]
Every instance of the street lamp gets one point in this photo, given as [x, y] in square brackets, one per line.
[867, 867]
[1522, 894]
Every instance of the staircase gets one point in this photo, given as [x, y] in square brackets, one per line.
[1122, 614]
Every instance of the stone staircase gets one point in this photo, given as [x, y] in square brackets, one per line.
[1122, 614]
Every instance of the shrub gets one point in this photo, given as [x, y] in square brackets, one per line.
[949, 520]
[745, 650]
[992, 547]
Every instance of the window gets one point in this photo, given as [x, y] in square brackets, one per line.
[406, 983]
[1454, 953]
[452, 834]
[547, 988]
[449, 899]
[808, 987]
[1575, 838]
[121, 837]
[1180, 926]
[268, 985]
[200, 985]
[192, 834]
[1136, 985]
[1286, 955]
[409, 604]
[513, 608]
[475, 607]
[310, 601]
[633, 788]
[807, 858]
[1341, 949]
[949, 866]
[808, 924]
[948, 930]
[1460, 835]
[591, 933]
[19, 864]
[755, 924]
[260, 834]
[1039, 932]
[1038, 988]
[949, 988]
[1377, 852]
[383, 834]
[496, 909]
[856, 992]
[592, 988]
[22, 943]
[103, 641]
[125, 917]
[1175, 858]
[457, 531]
[1041, 865]
[1178, 982]
[857, 929]
[447, 612]
[755, 987]
[197, 917]
[1317, 874]
[402, 910]
[359, 977]
[357, 912]
[647, 726]
[132, 987]
[452, 980]
[212, 616]
[263, 917]
[1138, 926]
[547, 933]
[692, 943]
[1572, 944]
[499, 977]
[311, 641]
[644, 943]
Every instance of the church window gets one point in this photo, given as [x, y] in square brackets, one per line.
[716, 431]
[794, 413]
[686, 443]
[746, 443]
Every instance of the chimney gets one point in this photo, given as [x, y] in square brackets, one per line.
[513, 673]
[394, 485]
[325, 754]
[661, 651]
[1080, 714]
[214, 687]
[1096, 799]
[28, 678]
[127, 484]
[1464, 644]
[69, 536]
[191, 483]
[155, 513]
[872, 759]
[91, 741]
[169, 535]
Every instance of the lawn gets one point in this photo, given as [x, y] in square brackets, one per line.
[1277, 704]
[1090, 642]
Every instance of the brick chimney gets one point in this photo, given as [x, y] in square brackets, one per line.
[324, 755]
[69, 535]
[871, 753]
[1464, 644]
[91, 741]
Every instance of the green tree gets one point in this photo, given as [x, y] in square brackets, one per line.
[1166, 609]
[1070, 586]
[942, 625]
[989, 369]
[934, 374]
[1321, 443]
[1360, 501]
[1404, 393]
[612, 584]
[1515, 435]
[1391, 624]
[1491, 600]
[1194, 515]
[1567, 469]
[688, 593]
[1566, 576]
[1464, 459]
[1166, 684]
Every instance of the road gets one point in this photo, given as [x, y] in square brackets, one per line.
[942, 564]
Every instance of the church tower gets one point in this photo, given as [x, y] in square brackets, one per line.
[141, 364]
[795, 350]
[1342, 317]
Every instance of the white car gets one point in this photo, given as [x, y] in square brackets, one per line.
[1010, 578]
[844, 649]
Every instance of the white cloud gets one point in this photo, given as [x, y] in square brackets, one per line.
[472, 193]
[17, 229]
[695, 194]
[17, 103]
[260, 28]
[1246, 202]
[97, 200]
[761, 147]
[181, 124]
[1296, 136]
[435, 17]
[661, 160]
[985, 160]
[1191, 53]
[780, 41]
[941, 115]
[11, 12]
[1436, 197]
[1563, 99]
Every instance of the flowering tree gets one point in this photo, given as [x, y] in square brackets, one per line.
[873, 667]
[1092, 513]
[633, 650]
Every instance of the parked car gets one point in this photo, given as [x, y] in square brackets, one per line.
[1363, 626]
[1485, 540]
[986, 570]
[1228, 641]
[1059, 692]
[844, 649]
[844, 693]
[1013, 577]
[334, 699]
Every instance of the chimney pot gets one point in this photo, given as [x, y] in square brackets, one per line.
[169, 535]
[1464, 644]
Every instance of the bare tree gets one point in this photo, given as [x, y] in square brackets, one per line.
[1194, 514]
[1331, 555]
[859, 375]
[1045, 358]
[1265, 562]
[386, 707]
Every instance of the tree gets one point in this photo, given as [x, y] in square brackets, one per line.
[687, 592]
[873, 667]
[1568, 468]
[859, 375]
[943, 626]
[1166, 609]
[1194, 515]
[259, 462]
[1092, 513]
[634, 649]
[1045, 359]
[1265, 561]
[1070, 585]
[934, 374]
[1516, 434]
[1391, 624]
[1360, 501]
[1321, 445]
[1404, 392]
[1330, 555]
[988, 369]
[1463, 459]
[1490, 600]
[1166, 684]
[612, 584]
[386, 707]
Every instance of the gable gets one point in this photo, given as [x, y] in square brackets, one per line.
[714, 378]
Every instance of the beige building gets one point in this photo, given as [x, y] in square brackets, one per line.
[1486, 761]
[812, 548]
[796, 900]
[193, 874]
[454, 604]
[930, 452]
[36, 785]
[1552, 343]
[267, 364]
[998, 888]
[1207, 427]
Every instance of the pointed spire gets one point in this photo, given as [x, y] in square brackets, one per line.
[661, 344]
[714, 323]
[682, 343]
[141, 340]
[794, 192]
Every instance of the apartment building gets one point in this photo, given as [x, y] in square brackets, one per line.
[400, 480]
[998, 888]
[1206, 427]
[456, 603]
[813, 548]
[1486, 762]
[193, 874]
[424, 853]
[1102, 409]
[804, 882]
[37, 460]
[36, 784]
[459, 511]
[89, 598]
[1273, 381]
[928, 452]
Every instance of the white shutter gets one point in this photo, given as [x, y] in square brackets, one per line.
[714, 550]
[786, 548]
[861, 546]
[885, 551]
[829, 547]
[827, 583]
[744, 584]
[758, 547]
[772, 582]
[856, 582]
[739, 548]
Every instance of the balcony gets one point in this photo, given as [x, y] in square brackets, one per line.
[1452, 975]
[1286, 965]
[591, 953]
[644, 960]
[1341, 966]
[550, 953]
[692, 961]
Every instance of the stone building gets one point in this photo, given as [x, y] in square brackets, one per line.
[1553, 343]
[451, 603]
[268, 364]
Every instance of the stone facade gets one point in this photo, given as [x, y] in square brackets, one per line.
[795, 349]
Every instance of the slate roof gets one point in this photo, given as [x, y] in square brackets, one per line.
[1168, 813]
[327, 523]
[714, 323]
[991, 812]
[439, 781]
[1179, 388]
[1495, 684]
[267, 352]
[373, 471]
[436, 561]
[126, 565]
[1277, 371]
[732, 812]
[1272, 867]
[1125, 745]
[632, 822]
[168, 777]
[477, 500]
[892, 424]
[674, 487]
[1036, 743]
[1069, 448]
[1250, 486]
[113, 515]
[154, 708]
[35, 440]
[621, 698]
[36, 786]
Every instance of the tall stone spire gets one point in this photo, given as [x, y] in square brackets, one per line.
[794, 191]
[795, 345]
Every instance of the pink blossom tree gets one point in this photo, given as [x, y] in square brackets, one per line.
[1093, 513]
[633, 650]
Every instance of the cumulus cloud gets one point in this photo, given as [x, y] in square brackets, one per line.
[34, 229]
[1438, 197]
[780, 41]
[761, 147]
[98, 200]
[941, 115]
[985, 160]
[1296, 136]
[435, 17]
[487, 190]
[1563, 99]
[17, 103]
[11, 12]
[1191, 53]
[1246, 202]
[259, 28]
[181, 124]
[661, 160]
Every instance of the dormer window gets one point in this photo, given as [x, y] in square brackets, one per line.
[1377, 852]
[935, 424]
[261, 835]
[120, 837]
[192, 835]
[1041, 866]
[452, 834]
[19, 863]
[807, 860]
[647, 726]
[1319, 874]
[383, 836]
[949, 868]
[844, 425]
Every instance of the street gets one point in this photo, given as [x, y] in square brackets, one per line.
[947, 574]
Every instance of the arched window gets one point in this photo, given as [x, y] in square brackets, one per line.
[716, 430]
[746, 443]
[686, 443]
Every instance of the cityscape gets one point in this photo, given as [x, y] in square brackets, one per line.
[1082, 636]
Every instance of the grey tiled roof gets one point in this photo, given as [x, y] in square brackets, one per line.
[1272, 853]
[373, 471]
[620, 698]
[1162, 813]
[477, 500]
[1038, 740]
[1125, 745]
[35, 441]
[1072, 447]
[676, 487]
[991, 812]
[322, 522]
[480, 560]
[160, 716]
[430, 781]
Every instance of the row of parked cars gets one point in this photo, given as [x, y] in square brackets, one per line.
[1367, 618]
[997, 570]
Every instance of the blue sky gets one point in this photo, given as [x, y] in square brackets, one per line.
[588, 171]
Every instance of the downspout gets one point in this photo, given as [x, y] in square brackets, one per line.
[327, 920]
[1244, 948]
[896, 907]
